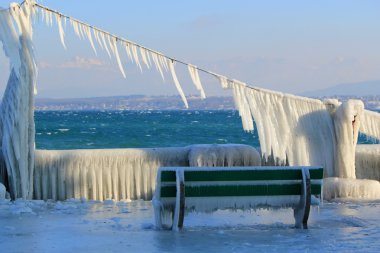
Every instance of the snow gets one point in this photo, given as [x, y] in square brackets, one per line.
[123, 173]
[77, 226]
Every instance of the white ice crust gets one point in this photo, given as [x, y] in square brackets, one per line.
[124, 173]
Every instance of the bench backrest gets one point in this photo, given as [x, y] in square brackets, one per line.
[238, 181]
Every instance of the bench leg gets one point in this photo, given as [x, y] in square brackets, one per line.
[301, 213]
[179, 211]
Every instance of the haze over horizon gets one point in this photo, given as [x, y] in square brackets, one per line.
[293, 46]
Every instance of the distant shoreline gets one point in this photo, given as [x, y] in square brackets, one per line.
[150, 103]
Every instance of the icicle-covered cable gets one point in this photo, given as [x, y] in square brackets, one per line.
[177, 84]
[193, 71]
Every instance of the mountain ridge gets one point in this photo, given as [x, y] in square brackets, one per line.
[364, 88]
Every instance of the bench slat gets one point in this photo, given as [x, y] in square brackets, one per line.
[241, 175]
[238, 190]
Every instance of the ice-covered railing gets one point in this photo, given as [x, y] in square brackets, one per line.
[124, 173]
[293, 129]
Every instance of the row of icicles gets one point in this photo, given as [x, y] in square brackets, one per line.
[137, 54]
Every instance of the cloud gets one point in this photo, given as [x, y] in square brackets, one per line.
[75, 63]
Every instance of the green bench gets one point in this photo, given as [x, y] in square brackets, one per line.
[206, 189]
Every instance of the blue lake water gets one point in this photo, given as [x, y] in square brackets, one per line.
[138, 129]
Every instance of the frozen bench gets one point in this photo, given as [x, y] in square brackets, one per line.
[205, 189]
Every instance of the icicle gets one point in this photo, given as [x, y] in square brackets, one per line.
[60, 29]
[96, 34]
[127, 47]
[116, 53]
[224, 82]
[111, 44]
[105, 44]
[157, 64]
[75, 26]
[242, 106]
[196, 80]
[143, 56]
[177, 84]
[136, 56]
[42, 13]
[89, 37]
[81, 30]
[65, 22]
[50, 14]
[15, 12]
[163, 62]
[148, 57]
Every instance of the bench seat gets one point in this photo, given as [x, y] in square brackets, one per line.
[206, 189]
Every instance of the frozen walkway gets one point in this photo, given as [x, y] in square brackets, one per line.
[74, 226]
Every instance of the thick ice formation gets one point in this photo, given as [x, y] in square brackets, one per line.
[370, 124]
[334, 187]
[346, 123]
[16, 113]
[302, 131]
[368, 162]
[123, 173]
[223, 155]
[296, 130]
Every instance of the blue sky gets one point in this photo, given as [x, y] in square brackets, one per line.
[291, 46]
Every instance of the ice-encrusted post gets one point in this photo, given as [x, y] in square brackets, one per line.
[16, 111]
[347, 123]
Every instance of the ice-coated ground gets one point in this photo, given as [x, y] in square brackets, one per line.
[76, 226]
